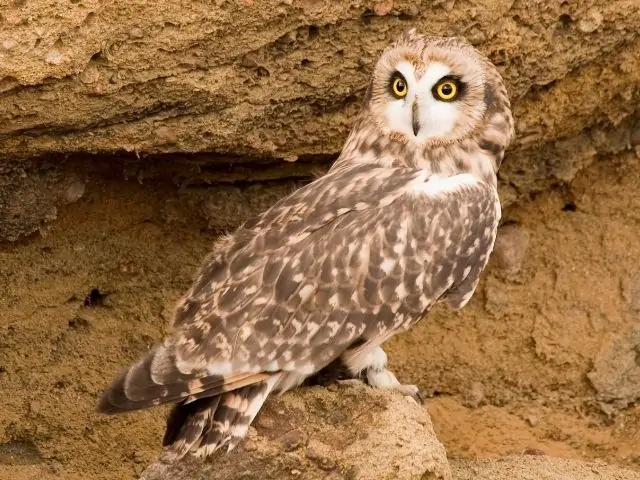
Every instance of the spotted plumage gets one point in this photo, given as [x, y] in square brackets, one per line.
[404, 219]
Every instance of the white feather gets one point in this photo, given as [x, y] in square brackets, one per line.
[399, 113]
[437, 118]
[437, 185]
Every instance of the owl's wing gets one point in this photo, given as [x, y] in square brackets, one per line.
[353, 256]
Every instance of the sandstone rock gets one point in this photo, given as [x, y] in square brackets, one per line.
[30, 196]
[511, 248]
[616, 373]
[340, 432]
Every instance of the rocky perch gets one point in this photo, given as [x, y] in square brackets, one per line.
[354, 432]
[340, 432]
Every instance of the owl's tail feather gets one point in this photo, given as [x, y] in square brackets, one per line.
[203, 426]
[210, 411]
[155, 379]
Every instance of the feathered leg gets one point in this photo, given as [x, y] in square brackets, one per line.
[373, 362]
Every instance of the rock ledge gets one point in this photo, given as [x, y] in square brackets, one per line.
[342, 432]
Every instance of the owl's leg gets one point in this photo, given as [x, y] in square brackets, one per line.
[373, 363]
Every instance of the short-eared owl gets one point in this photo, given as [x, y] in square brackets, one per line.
[404, 219]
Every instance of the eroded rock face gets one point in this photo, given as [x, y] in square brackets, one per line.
[616, 373]
[282, 80]
[341, 432]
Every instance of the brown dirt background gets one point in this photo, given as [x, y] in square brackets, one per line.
[509, 372]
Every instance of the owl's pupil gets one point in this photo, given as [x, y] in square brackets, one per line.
[400, 86]
[446, 89]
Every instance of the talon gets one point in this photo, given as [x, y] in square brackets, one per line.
[414, 392]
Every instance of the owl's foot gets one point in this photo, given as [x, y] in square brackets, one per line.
[386, 379]
[372, 365]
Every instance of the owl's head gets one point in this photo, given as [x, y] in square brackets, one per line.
[435, 91]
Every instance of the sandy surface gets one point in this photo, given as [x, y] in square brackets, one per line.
[514, 371]
[538, 468]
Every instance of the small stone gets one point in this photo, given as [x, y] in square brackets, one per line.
[630, 291]
[167, 134]
[634, 458]
[496, 299]
[288, 38]
[54, 57]
[616, 370]
[312, 454]
[48, 96]
[533, 421]
[447, 5]
[12, 20]
[136, 32]
[9, 44]
[293, 440]
[533, 451]
[412, 11]
[326, 463]
[250, 60]
[249, 446]
[266, 422]
[591, 21]
[311, 5]
[521, 126]
[74, 192]
[475, 36]
[89, 75]
[334, 476]
[474, 397]
[383, 8]
[511, 248]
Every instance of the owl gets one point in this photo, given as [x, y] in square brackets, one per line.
[405, 218]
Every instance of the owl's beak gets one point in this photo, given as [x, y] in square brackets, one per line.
[415, 123]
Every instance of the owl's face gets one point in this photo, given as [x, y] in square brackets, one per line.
[429, 90]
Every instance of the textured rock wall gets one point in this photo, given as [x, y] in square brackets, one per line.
[280, 81]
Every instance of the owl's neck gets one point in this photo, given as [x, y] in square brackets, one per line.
[366, 145]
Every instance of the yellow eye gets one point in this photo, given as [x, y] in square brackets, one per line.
[399, 86]
[446, 90]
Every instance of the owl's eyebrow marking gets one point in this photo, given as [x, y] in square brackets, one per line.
[412, 58]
